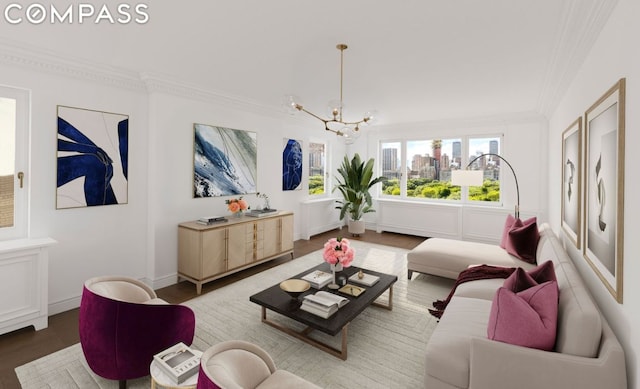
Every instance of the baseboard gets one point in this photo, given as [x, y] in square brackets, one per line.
[165, 281]
[64, 305]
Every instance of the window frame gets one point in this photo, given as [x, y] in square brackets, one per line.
[465, 159]
[325, 167]
[22, 142]
[464, 193]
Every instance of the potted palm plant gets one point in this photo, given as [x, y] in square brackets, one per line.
[354, 181]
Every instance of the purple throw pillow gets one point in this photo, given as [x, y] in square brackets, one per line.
[508, 223]
[527, 318]
[520, 279]
[522, 240]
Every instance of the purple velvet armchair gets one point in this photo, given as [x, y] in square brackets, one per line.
[123, 323]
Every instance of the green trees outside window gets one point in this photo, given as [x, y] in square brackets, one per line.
[434, 189]
[316, 184]
[427, 165]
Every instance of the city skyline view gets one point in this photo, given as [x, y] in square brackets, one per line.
[476, 146]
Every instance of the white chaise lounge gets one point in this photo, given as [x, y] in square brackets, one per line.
[447, 257]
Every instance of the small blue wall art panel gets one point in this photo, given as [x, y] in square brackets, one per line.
[292, 165]
[92, 158]
[224, 161]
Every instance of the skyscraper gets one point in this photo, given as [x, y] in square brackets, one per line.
[456, 152]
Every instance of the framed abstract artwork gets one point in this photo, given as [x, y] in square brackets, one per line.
[292, 164]
[572, 181]
[224, 161]
[604, 187]
[92, 158]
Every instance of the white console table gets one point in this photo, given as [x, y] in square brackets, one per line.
[24, 283]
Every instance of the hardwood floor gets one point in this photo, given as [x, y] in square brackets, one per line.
[25, 345]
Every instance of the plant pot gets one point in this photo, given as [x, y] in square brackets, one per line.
[356, 227]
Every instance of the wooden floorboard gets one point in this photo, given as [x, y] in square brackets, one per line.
[25, 345]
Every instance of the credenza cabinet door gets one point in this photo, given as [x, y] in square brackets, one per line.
[270, 237]
[213, 254]
[207, 252]
[286, 233]
[239, 245]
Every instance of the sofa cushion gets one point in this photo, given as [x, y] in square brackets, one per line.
[449, 348]
[508, 223]
[527, 318]
[448, 257]
[579, 321]
[522, 240]
[520, 279]
[480, 289]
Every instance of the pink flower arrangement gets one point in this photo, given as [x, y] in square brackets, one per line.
[338, 251]
[237, 205]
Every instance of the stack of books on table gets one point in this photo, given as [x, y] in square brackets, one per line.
[211, 220]
[323, 304]
[179, 362]
[318, 279]
[261, 212]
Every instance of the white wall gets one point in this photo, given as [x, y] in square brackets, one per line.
[612, 57]
[93, 240]
[171, 168]
[139, 239]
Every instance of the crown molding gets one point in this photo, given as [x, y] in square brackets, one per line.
[498, 120]
[583, 22]
[40, 60]
[155, 83]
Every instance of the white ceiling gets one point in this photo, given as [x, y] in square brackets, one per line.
[413, 60]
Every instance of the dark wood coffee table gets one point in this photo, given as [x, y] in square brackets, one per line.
[277, 300]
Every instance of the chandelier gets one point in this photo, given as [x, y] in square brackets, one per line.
[350, 131]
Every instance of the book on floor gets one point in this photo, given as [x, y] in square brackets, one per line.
[318, 279]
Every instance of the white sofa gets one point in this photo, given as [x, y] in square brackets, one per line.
[587, 353]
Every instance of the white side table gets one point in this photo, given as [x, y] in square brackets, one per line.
[161, 379]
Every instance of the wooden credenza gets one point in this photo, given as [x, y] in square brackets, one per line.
[208, 252]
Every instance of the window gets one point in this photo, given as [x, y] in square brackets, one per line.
[391, 167]
[490, 164]
[13, 160]
[317, 168]
[429, 168]
[427, 164]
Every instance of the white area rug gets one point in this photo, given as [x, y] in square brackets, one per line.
[386, 348]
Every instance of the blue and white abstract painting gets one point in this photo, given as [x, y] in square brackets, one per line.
[291, 164]
[93, 154]
[225, 161]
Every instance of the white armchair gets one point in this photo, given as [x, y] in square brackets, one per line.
[237, 364]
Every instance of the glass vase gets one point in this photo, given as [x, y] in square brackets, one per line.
[334, 269]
